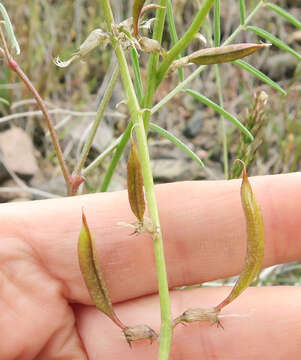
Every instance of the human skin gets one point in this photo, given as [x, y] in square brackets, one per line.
[46, 311]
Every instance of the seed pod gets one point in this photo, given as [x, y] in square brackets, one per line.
[92, 273]
[139, 332]
[136, 11]
[218, 54]
[255, 242]
[135, 183]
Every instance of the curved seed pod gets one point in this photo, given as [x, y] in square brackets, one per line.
[218, 54]
[255, 242]
[92, 273]
[136, 11]
[135, 183]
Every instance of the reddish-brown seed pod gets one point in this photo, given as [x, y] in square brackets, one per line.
[135, 183]
[92, 274]
[255, 242]
[136, 11]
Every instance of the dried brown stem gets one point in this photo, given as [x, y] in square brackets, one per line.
[23, 77]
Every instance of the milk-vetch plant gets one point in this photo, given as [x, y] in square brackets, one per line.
[126, 41]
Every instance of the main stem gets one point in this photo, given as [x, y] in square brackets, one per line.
[136, 115]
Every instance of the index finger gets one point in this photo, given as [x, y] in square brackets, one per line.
[203, 229]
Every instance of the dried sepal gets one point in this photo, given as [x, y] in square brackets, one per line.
[139, 332]
[95, 38]
[255, 242]
[135, 183]
[145, 226]
[92, 274]
[198, 314]
[218, 55]
[151, 46]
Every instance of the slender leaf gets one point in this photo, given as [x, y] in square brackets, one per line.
[9, 29]
[260, 75]
[274, 40]
[159, 130]
[138, 81]
[217, 23]
[242, 9]
[221, 111]
[284, 14]
[173, 33]
[4, 101]
[116, 157]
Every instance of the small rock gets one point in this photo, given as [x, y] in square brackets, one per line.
[194, 125]
[6, 196]
[103, 137]
[17, 151]
[56, 185]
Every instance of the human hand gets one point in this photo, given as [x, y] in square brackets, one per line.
[45, 308]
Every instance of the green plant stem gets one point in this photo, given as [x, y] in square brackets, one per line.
[138, 81]
[242, 26]
[201, 68]
[217, 40]
[173, 34]
[116, 157]
[55, 141]
[223, 126]
[95, 163]
[99, 115]
[184, 41]
[153, 63]
[136, 116]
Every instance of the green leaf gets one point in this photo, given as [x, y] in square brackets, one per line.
[274, 40]
[9, 29]
[260, 75]
[173, 33]
[138, 81]
[242, 10]
[221, 111]
[159, 130]
[4, 101]
[217, 23]
[284, 14]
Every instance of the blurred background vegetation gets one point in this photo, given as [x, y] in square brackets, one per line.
[46, 29]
